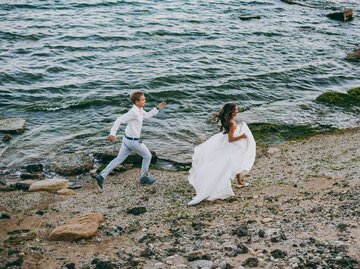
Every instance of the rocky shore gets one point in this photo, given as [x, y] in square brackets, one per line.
[301, 211]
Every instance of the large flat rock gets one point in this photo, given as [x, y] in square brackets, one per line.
[12, 125]
[81, 227]
[51, 185]
[69, 164]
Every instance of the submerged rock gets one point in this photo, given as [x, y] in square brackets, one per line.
[346, 15]
[51, 185]
[12, 125]
[346, 100]
[7, 137]
[71, 164]
[82, 227]
[354, 55]
[246, 18]
[34, 168]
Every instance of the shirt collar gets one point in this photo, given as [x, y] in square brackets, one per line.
[136, 108]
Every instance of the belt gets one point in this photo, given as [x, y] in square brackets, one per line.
[132, 138]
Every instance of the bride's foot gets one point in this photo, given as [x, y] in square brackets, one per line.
[241, 182]
[246, 184]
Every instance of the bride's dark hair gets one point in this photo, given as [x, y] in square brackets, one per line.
[224, 117]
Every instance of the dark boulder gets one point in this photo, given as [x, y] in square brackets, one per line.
[346, 15]
[246, 18]
[37, 176]
[136, 210]
[34, 168]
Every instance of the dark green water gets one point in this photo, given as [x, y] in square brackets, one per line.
[68, 66]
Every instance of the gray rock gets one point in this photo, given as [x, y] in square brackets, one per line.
[273, 151]
[201, 264]
[294, 260]
[12, 125]
[71, 164]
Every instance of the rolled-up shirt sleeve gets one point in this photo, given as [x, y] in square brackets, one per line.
[151, 113]
[122, 119]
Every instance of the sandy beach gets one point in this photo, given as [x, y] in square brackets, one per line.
[301, 211]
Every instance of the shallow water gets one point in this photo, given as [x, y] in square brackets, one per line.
[67, 67]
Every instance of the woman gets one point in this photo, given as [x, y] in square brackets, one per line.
[225, 156]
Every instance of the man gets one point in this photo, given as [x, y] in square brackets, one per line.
[131, 141]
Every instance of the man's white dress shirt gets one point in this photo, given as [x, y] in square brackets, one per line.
[134, 119]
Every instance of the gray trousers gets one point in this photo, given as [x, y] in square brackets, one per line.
[126, 148]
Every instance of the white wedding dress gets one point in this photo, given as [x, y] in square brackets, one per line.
[217, 161]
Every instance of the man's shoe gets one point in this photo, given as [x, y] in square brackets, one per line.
[100, 180]
[147, 180]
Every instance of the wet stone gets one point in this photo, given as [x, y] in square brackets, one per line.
[37, 176]
[22, 185]
[261, 233]
[277, 253]
[69, 266]
[241, 249]
[241, 231]
[4, 215]
[251, 262]
[136, 210]
[346, 15]
[34, 168]
[7, 137]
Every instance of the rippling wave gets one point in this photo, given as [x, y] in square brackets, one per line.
[68, 68]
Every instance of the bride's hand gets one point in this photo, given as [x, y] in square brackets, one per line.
[243, 135]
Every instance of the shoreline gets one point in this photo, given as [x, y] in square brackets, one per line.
[301, 210]
[263, 133]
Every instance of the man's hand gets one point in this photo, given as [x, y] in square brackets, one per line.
[161, 105]
[243, 135]
[111, 138]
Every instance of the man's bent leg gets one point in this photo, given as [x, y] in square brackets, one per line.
[123, 154]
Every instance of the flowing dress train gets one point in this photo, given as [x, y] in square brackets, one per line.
[217, 161]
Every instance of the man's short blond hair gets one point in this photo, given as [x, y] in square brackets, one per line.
[135, 96]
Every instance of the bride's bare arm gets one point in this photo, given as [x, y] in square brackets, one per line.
[231, 136]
